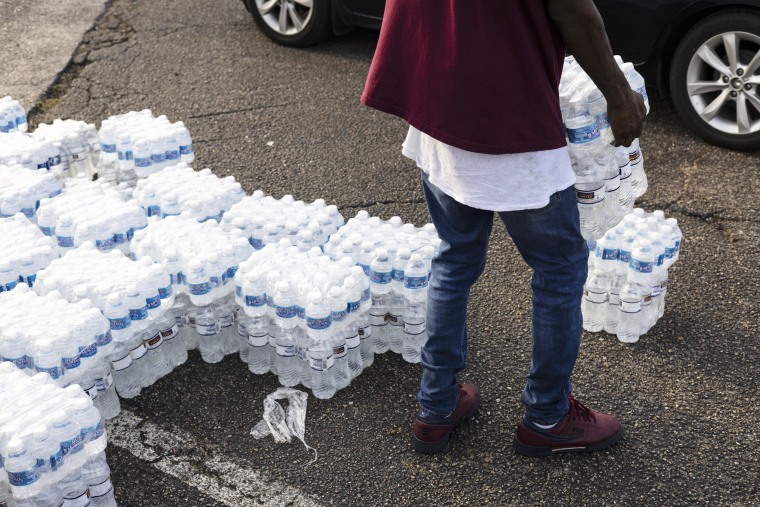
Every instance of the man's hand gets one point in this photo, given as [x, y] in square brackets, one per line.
[627, 118]
[582, 29]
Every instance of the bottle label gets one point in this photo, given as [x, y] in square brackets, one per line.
[143, 162]
[19, 362]
[47, 231]
[186, 150]
[153, 302]
[589, 196]
[256, 243]
[340, 350]
[28, 279]
[379, 277]
[366, 295]
[70, 363]
[101, 489]
[232, 271]
[353, 342]
[646, 300]
[394, 320]
[270, 301]
[172, 155]
[104, 244]
[656, 290]
[65, 241]
[226, 320]
[339, 316]
[259, 340]
[122, 364]
[119, 238]
[640, 266]
[285, 312]
[614, 299]
[663, 285]
[168, 334]
[612, 184]
[319, 323]
[24, 478]
[397, 275]
[634, 157]
[206, 329]
[630, 306]
[661, 259]
[216, 281]
[595, 296]
[154, 343]
[158, 158]
[377, 320]
[165, 292]
[71, 445]
[153, 210]
[120, 323]
[624, 256]
[55, 372]
[138, 351]
[93, 432]
[199, 289]
[286, 350]
[105, 382]
[238, 291]
[414, 329]
[322, 363]
[353, 306]
[56, 460]
[104, 339]
[365, 332]
[241, 329]
[583, 135]
[254, 301]
[9, 286]
[607, 254]
[415, 282]
[139, 314]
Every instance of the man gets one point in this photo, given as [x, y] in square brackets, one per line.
[478, 83]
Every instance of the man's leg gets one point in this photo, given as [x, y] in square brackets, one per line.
[464, 232]
[550, 241]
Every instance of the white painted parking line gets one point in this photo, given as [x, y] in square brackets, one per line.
[178, 454]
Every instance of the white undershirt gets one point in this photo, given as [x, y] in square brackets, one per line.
[509, 182]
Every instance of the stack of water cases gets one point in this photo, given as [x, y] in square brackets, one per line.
[12, 116]
[77, 142]
[396, 257]
[24, 251]
[135, 297]
[306, 317]
[180, 188]
[52, 443]
[90, 211]
[201, 260]
[137, 144]
[22, 190]
[608, 179]
[264, 220]
[71, 342]
[628, 275]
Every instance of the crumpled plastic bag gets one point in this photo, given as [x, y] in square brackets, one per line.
[284, 424]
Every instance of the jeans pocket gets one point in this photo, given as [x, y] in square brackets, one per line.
[554, 200]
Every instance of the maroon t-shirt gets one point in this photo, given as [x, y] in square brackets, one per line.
[480, 75]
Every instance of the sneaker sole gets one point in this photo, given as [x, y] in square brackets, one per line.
[533, 451]
[438, 446]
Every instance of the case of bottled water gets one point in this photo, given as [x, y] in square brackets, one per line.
[608, 179]
[12, 116]
[30, 152]
[135, 297]
[179, 188]
[21, 190]
[137, 144]
[52, 444]
[628, 275]
[77, 142]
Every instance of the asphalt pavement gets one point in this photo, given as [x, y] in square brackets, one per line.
[289, 121]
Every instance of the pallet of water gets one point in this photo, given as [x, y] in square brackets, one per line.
[21, 190]
[135, 297]
[52, 444]
[627, 282]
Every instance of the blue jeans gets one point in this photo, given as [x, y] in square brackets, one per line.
[550, 241]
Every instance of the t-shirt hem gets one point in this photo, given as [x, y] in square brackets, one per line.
[452, 140]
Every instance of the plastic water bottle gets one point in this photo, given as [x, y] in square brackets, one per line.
[320, 354]
[636, 82]
[207, 326]
[589, 192]
[21, 468]
[633, 292]
[594, 303]
[639, 182]
[97, 476]
[288, 362]
[380, 275]
[581, 128]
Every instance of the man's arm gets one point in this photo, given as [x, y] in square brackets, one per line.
[582, 29]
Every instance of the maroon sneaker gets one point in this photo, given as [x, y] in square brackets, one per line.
[432, 436]
[581, 429]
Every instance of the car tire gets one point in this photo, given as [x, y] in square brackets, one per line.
[715, 79]
[295, 23]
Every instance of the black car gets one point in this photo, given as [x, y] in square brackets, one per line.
[704, 53]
